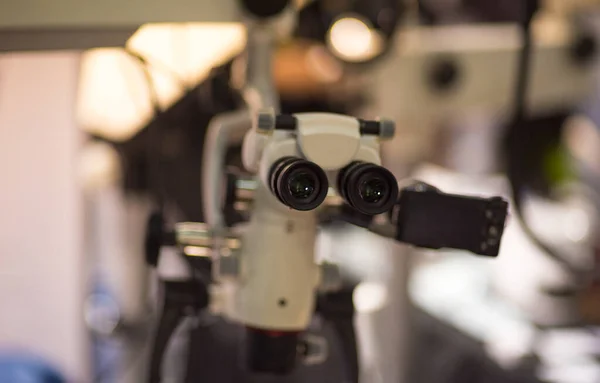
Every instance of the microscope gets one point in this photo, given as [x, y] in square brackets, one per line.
[312, 168]
[306, 169]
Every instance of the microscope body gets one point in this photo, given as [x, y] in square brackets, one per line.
[310, 168]
[279, 275]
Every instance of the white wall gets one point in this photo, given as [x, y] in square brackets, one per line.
[42, 282]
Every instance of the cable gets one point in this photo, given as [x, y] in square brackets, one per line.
[168, 322]
[524, 67]
[513, 171]
[178, 299]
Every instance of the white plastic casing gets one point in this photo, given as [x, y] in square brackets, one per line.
[279, 276]
[329, 140]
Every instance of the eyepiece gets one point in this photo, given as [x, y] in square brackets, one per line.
[368, 188]
[298, 184]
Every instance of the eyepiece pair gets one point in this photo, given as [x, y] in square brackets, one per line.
[302, 185]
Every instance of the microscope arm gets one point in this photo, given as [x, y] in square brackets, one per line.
[219, 134]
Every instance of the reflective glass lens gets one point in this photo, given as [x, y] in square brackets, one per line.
[302, 185]
[373, 190]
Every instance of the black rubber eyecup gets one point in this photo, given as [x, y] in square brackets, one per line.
[288, 170]
[353, 180]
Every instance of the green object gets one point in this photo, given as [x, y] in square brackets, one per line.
[557, 166]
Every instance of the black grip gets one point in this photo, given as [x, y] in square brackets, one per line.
[426, 217]
[155, 228]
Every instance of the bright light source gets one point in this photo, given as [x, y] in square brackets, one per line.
[114, 98]
[196, 251]
[352, 39]
[188, 50]
[114, 95]
[369, 297]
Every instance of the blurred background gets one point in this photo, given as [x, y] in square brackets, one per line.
[104, 108]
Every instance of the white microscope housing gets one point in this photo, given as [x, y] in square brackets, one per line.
[297, 159]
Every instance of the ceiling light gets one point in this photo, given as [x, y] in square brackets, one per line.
[188, 50]
[115, 98]
[352, 39]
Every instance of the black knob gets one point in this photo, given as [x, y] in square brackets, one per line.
[154, 238]
[264, 8]
[584, 49]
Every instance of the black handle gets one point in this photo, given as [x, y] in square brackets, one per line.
[426, 217]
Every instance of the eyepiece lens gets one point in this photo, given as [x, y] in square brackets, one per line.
[368, 188]
[299, 184]
[302, 185]
[373, 190]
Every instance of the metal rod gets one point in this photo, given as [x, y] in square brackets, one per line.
[260, 91]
